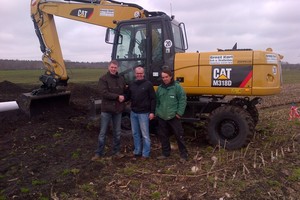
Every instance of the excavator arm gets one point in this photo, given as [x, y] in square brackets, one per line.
[103, 13]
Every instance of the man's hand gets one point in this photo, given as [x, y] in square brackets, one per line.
[151, 116]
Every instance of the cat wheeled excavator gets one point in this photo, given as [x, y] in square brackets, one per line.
[223, 87]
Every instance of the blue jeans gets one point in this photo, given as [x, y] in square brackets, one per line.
[105, 121]
[140, 132]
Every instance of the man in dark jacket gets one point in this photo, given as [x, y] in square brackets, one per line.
[142, 96]
[112, 87]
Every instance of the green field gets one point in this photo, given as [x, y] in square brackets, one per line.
[92, 75]
[32, 76]
[291, 76]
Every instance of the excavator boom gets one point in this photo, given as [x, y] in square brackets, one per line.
[105, 13]
[102, 13]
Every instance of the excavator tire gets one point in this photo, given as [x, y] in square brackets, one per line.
[246, 104]
[254, 114]
[33, 105]
[230, 126]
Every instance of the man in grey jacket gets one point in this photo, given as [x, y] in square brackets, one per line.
[112, 87]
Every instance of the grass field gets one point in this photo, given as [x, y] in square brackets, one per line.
[92, 75]
[32, 76]
[291, 76]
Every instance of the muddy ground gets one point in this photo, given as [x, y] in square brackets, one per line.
[49, 157]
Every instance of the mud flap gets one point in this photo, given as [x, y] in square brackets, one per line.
[33, 105]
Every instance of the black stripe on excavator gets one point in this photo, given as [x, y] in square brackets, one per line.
[86, 1]
[128, 4]
[116, 2]
[147, 13]
[39, 35]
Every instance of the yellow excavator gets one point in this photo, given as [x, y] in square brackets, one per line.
[223, 87]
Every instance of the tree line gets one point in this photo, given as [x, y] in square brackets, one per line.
[286, 65]
[33, 64]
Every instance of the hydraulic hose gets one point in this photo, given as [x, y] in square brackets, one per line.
[39, 35]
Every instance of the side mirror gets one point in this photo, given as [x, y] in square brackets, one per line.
[110, 36]
[183, 32]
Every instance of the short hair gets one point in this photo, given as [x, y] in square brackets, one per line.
[167, 71]
[113, 62]
[138, 66]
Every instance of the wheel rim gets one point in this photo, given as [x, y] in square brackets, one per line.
[228, 129]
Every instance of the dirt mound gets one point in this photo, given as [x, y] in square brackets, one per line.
[84, 91]
[83, 94]
[9, 87]
[10, 91]
[48, 157]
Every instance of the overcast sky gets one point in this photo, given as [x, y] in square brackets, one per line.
[210, 24]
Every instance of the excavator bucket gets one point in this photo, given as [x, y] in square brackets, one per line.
[34, 105]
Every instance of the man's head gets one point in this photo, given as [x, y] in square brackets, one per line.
[113, 67]
[139, 73]
[166, 76]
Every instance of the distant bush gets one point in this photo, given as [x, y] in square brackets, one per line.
[290, 66]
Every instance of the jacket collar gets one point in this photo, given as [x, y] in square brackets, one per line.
[168, 85]
[113, 75]
[139, 82]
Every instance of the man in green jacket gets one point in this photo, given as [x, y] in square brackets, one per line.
[170, 106]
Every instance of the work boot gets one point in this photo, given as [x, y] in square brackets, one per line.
[145, 158]
[162, 157]
[96, 157]
[183, 159]
[135, 156]
[118, 155]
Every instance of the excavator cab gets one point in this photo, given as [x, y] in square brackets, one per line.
[150, 42]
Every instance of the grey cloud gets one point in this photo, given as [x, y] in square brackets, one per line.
[210, 24]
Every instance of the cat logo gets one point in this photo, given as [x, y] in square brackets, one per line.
[231, 76]
[82, 13]
[221, 77]
[85, 13]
